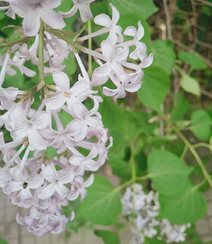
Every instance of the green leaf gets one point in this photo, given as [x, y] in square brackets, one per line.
[102, 205]
[140, 7]
[107, 236]
[189, 84]
[185, 207]
[180, 109]
[168, 173]
[201, 124]
[153, 241]
[164, 55]
[112, 116]
[192, 59]
[2, 241]
[154, 88]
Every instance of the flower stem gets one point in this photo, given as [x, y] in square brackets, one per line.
[41, 84]
[90, 71]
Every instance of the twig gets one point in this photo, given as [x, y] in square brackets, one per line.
[208, 62]
[205, 2]
[168, 20]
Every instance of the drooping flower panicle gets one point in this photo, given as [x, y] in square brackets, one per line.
[32, 179]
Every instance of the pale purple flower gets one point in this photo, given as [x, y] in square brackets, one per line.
[81, 5]
[123, 83]
[115, 31]
[113, 58]
[82, 163]
[22, 182]
[56, 182]
[78, 187]
[34, 10]
[29, 128]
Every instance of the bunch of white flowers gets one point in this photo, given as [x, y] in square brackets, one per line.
[146, 208]
[31, 178]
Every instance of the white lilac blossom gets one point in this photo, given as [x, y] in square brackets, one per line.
[34, 10]
[32, 178]
[81, 5]
[146, 208]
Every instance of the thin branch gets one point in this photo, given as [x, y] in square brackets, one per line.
[168, 19]
[178, 43]
[205, 2]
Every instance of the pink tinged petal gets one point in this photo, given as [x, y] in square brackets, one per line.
[61, 79]
[74, 127]
[35, 182]
[108, 50]
[54, 3]
[17, 116]
[83, 193]
[76, 108]
[91, 165]
[70, 13]
[142, 47]
[46, 192]
[117, 68]
[93, 153]
[25, 194]
[51, 18]
[76, 160]
[109, 92]
[41, 120]
[103, 70]
[122, 55]
[73, 195]
[61, 189]
[133, 87]
[112, 38]
[55, 102]
[103, 20]
[68, 177]
[50, 173]
[130, 31]
[140, 32]
[31, 22]
[115, 14]
[121, 93]
[36, 141]
[4, 68]
[97, 80]
[90, 181]
[85, 12]
[10, 93]
[148, 61]
[15, 186]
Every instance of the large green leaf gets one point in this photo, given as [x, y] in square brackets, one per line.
[189, 84]
[142, 8]
[154, 88]
[168, 173]
[113, 117]
[201, 124]
[192, 59]
[102, 205]
[107, 236]
[164, 55]
[185, 207]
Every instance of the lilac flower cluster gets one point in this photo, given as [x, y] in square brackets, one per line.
[146, 208]
[31, 178]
